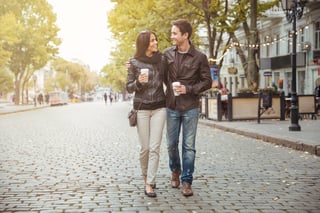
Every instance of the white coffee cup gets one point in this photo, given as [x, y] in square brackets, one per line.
[175, 84]
[146, 72]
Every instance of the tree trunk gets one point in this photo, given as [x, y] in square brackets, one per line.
[253, 49]
[240, 52]
[22, 92]
[16, 91]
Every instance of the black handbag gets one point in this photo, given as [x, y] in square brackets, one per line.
[132, 116]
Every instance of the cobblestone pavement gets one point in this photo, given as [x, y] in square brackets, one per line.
[84, 158]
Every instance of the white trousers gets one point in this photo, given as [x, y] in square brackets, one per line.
[150, 124]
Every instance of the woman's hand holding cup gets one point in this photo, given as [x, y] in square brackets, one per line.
[144, 75]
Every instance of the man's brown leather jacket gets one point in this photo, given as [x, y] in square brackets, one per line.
[193, 71]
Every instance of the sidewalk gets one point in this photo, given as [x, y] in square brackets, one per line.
[9, 107]
[273, 131]
[276, 131]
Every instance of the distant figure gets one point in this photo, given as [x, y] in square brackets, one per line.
[317, 91]
[274, 86]
[105, 96]
[224, 101]
[111, 97]
[224, 91]
[40, 98]
[35, 100]
[317, 94]
[47, 97]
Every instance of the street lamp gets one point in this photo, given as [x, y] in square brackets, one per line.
[294, 11]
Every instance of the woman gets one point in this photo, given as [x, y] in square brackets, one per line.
[145, 78]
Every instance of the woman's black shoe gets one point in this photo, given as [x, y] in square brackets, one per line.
[150, 194]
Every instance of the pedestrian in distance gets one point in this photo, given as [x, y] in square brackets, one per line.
[189, 69]
[145, 78]
[317, 91]
[40, 99]
[317, 94]
[111, 97]
[47, 98]
[274, 86]
[105, 97]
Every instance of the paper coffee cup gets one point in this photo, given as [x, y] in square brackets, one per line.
[175, 84]
[145, 71]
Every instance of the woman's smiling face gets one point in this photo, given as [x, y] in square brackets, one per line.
[153, 45]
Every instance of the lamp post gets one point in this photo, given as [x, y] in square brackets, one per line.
[294, 11]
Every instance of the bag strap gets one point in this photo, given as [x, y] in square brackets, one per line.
[139, 106]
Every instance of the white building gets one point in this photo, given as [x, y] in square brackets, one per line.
[275, 52]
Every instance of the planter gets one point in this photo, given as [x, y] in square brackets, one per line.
[245, 94]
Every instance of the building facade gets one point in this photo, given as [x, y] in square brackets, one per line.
[275, 34]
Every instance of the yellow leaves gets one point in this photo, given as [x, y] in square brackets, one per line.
[8, 36]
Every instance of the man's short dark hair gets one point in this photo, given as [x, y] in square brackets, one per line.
[183, 25]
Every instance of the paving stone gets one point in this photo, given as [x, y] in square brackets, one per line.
[84, 158]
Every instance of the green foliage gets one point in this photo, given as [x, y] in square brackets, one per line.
[128, 18]
[217, 17]
[8, 35]
[35, 41]
[69, 75]
[6, 80]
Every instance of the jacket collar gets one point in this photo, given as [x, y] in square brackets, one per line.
[191, 50]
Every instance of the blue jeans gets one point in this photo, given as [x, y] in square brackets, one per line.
[188, 120]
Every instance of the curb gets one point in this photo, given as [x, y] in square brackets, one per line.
[22, 110]
[297, 145]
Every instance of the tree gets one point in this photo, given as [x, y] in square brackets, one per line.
[219, 19]
[37, 39]
[8, 35]
[72, 76]
[127, 19]
[6, 81]
[212, 15]
[241, 11]
[205, 14]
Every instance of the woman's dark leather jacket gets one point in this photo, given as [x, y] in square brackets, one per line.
[193, 71]
[152, 91]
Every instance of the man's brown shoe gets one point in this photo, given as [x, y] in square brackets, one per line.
[175, 181]
[186, 189]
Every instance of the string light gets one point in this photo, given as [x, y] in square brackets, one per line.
[270, 41]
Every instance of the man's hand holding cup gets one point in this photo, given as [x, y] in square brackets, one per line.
[176, 88]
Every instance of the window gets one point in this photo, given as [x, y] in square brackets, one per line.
[276, 77]
[303, 38]
[277, 44]
[302, 35]
[267, 45]
[317, 35]
[267, 80]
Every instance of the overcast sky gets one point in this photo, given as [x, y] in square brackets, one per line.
[83, 30]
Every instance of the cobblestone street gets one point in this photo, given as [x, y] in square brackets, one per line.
[84, 158]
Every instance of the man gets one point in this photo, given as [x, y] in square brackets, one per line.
[190, 68]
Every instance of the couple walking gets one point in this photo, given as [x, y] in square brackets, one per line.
[149, 69]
